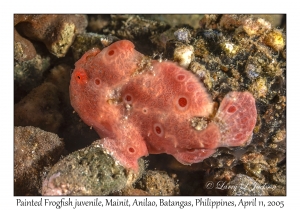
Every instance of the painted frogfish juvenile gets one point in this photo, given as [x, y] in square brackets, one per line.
[141, 106]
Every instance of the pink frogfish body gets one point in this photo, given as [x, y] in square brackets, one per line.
[141, 106]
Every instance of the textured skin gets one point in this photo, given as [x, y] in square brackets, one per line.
[140, 106]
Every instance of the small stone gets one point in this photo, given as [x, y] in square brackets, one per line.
[255, 26]
[45, 105]
[230, 48]
[29, 74]
[231, 22]
[251, 71]
[183, 35]
[259, 87]
[275, 39]
[24, 49]
[202, 73]
[279, 136]
[57, 32]
[40, 108]
[184, 54]
[34, 149]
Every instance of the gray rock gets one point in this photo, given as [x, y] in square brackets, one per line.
[89, 171]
